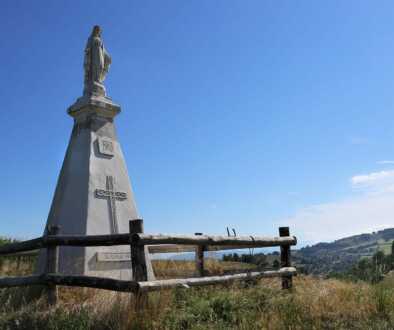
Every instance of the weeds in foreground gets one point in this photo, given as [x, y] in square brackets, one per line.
[312, 304]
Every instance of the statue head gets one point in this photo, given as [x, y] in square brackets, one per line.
[96, 31]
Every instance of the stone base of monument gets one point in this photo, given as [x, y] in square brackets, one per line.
[93, 194]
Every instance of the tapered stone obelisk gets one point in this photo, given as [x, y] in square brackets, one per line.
[93, 194]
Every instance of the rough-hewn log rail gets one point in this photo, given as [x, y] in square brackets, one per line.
[211, 280]
[174, 248]
[133, 286]
[70, 280]
[246, 241]
[69, 240]
[27, 254]
[144, 239]
[163, 248]
[29, 245]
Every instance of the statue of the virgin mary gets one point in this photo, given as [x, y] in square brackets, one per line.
[96, 64]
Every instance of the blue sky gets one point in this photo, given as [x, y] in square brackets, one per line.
[248, 114]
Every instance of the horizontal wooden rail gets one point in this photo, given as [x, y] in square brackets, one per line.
[93, 282]
[211, 280]
[154, 249]
[124, 239]
[246, 241]
[133, 286]
[164, 248]
[10, 281]
[29, 245]
[30, 253]
[70, 280]
[89, 240]
[174, 248]
[67, 240]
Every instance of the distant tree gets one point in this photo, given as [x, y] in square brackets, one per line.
[392, 248]
[236, 257]
[5, 240]
[379, 264]
[259, 259]
[276, 264]
[371, 269]
[378, 257]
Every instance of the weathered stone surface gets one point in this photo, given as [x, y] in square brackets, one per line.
[93, 194]
[96, 64]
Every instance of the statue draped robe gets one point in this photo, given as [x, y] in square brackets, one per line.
[96, 65]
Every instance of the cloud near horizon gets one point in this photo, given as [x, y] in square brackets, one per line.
[369, 208]
[377, 181]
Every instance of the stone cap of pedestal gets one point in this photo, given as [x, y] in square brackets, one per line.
[99, 105]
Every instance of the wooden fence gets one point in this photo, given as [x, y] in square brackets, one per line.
[139, 285]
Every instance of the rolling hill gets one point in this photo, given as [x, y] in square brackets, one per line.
[337, 256]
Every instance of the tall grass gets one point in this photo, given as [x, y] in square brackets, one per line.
[313, 304]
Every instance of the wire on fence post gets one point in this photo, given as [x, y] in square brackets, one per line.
[52, 263]
[285, 258]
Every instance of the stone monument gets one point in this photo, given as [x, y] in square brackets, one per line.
[93, 194]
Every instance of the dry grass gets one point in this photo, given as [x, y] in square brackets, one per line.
[184, 268]
[313, 304]
[16, 267]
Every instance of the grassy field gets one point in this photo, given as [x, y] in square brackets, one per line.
[183, 268]
[313, 304]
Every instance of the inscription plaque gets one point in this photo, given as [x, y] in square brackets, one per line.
[105, 146]
[113, 256]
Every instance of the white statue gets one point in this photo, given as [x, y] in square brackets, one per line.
[96, 64]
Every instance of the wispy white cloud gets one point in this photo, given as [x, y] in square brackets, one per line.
[330, 221]
[374, 178]
[371, 209]
[385, 162]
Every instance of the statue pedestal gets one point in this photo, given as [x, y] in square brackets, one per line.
[87, 105]
[93, 194]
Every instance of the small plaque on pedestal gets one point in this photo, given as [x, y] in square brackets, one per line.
[105, 146]
[113, 256]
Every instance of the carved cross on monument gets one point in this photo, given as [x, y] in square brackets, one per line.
[112, 197]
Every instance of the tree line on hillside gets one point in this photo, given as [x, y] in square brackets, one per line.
[258, 259]
[370, 269]
[5, 240]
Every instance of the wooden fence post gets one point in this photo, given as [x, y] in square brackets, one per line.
[138, 263]
[285, 258]
[200, 260]
[52, 264]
